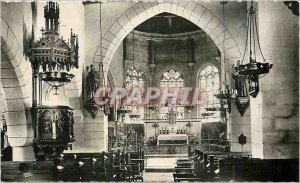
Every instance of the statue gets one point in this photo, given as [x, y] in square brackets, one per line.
[172, 116]
[91, 81]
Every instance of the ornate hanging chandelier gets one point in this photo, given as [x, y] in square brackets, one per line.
[254, 69]
[225, 95]
[52, 58]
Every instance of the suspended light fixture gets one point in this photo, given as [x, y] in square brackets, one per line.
[225, 95]
[123, 109]
[253, 70]
[96, 81]
[105, 107]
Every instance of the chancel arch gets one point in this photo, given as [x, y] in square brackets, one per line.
[141, 11]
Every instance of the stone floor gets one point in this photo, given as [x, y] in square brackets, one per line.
[162, 163]
[158, 177]
[159, 169]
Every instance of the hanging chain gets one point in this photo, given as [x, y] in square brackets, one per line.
[101, 39]
[248, 20]
[133, 67]
[255, 22]
[253, 29]
[224, 61]
[100, 28]
[133, 48]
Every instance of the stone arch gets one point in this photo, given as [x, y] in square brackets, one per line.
[141, 11]
[15, 70]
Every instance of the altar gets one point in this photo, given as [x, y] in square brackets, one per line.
[171, 139]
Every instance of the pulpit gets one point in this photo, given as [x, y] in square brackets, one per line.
[54, 130]
[53, 61]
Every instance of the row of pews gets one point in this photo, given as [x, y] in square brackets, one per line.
[210, 167]
[107, 166]
[118, 166]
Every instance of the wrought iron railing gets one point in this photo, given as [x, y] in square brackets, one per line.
[211, 145]
[205, 145]
[133, 144]
[166, 149]
[124, 143]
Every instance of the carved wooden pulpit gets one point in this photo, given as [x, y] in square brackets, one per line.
[54, 130]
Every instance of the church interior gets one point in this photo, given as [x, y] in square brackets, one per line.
[153, 91]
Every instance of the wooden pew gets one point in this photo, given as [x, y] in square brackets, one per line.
[28, 171]
[253, 169]
[106, 166]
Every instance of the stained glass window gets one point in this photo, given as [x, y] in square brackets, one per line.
[209, 83]
[135, 79]
[172, 80]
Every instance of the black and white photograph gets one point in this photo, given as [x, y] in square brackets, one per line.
[149, 91]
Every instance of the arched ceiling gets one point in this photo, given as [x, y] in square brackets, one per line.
[167, 23]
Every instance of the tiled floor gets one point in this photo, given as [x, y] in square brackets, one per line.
[158, 177]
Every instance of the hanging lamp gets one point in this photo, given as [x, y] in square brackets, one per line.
[254, 69]
[225, 95]
[100, 83]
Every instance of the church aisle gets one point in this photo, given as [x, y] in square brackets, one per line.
[158, 177]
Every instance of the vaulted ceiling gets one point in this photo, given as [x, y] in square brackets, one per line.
[167, 23]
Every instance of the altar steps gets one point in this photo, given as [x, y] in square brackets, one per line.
[162, 163]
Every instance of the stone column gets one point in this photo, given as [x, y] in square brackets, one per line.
[95, 132]
[274, 112]
[24, 153]
[238, 124]
[90, 134]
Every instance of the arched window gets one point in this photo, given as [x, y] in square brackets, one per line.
[209, 83]
[135, 79]
[172, 80]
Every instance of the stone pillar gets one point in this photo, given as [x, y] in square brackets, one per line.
[90, 134]
[236, 125]
[20, 136]
[24, 153]
[274, 112]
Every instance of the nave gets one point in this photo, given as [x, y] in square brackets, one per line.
[160, 91]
